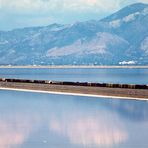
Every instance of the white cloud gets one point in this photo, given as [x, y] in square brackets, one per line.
[34, 5]
[47, 5]
[60, 11]
[143, 1]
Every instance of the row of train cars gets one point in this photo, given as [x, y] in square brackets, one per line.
[130, 86]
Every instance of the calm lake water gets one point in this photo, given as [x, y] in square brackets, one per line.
[133, 76]
[35, 120]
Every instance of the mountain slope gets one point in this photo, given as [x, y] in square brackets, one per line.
[122, 36]
[131, 9]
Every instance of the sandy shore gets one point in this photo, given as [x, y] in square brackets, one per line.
[72, 66]
[120, 93]
[73, 94]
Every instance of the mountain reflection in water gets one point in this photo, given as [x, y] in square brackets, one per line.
[42, 120]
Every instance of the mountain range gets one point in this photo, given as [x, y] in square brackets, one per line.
[119, 39]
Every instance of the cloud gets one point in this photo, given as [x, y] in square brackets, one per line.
[60, 11]
[47, 5]
[143, 1]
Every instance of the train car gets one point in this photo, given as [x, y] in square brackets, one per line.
[141, 86]
[40, 81]
[89, 84]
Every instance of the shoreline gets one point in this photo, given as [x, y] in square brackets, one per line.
[138, 92]
[72, 94]
[73, 66]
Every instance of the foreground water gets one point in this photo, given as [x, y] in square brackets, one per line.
[132, 76]
[34, 120]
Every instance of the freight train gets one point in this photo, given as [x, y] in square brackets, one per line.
[88, 84]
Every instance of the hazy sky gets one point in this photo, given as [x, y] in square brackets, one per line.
[24, 13]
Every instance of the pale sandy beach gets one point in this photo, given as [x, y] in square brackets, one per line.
[73, 94]
[106, 92]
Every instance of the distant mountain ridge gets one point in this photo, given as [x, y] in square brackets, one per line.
[121, 38]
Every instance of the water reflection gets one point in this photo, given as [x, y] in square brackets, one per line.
[89, 130]
[41, 120]
[13, 132]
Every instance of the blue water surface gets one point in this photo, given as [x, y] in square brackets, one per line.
[35, 120]
[128, 76]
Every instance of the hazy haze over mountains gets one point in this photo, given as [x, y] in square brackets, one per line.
[121, 38]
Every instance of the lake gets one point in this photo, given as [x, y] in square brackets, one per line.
[129, 76]
[35, 120]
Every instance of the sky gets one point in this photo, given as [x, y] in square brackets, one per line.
[27, 13]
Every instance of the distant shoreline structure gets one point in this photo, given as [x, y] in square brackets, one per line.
[75, 66]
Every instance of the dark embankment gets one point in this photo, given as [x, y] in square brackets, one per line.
[118, 90]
